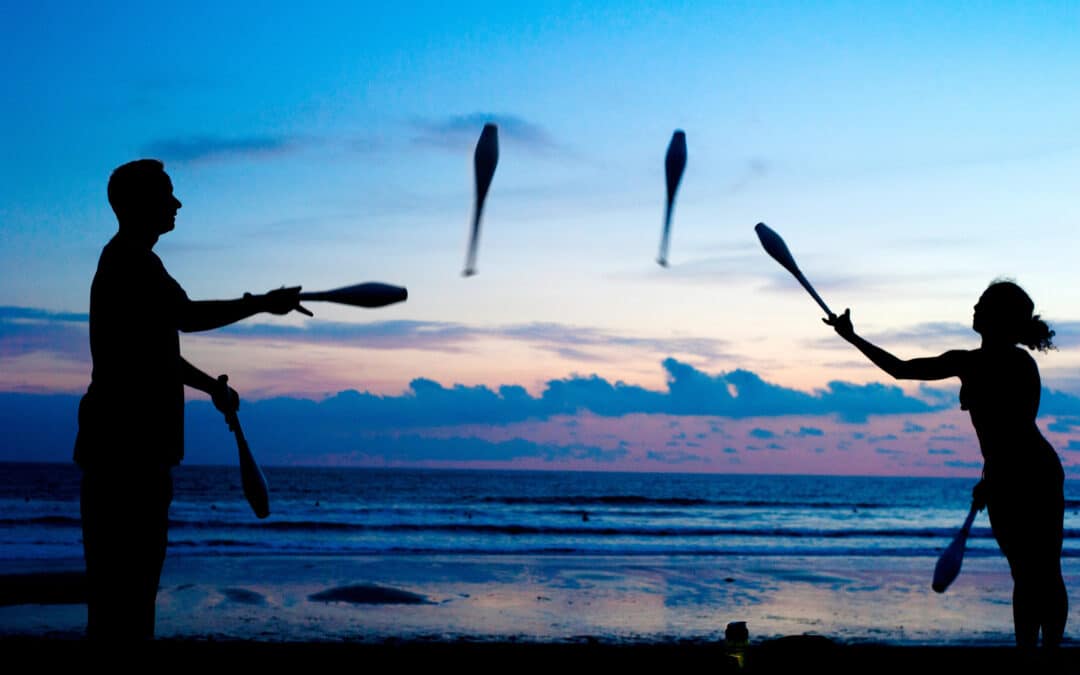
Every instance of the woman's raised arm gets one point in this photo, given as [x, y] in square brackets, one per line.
[948, 364]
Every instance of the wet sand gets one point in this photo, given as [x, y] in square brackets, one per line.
[803, 615]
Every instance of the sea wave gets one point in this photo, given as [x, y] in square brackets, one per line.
[640, 500]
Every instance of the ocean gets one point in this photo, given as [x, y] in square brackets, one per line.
[352, 511]
[539, 556]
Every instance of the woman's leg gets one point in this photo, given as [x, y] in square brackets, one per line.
[1008, 525]
[1029, 533]
[1054, 608]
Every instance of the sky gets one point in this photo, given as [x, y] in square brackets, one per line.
[908, 153]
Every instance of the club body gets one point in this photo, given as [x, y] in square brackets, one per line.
[674, 166]
[485, 159]
[774, 245]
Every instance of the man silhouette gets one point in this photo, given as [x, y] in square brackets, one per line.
[131, 419]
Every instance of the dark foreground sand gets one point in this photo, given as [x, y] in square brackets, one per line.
[796, 654]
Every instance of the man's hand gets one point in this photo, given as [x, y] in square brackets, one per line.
[281, 301]
[226, 399]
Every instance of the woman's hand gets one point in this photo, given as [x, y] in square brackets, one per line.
[842, 324]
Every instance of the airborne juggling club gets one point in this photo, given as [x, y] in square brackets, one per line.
[775, 247]
[674, 165]
[485, 159]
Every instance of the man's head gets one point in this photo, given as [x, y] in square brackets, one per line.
[141, 196]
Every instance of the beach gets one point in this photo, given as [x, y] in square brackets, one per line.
[548, 609]
[555, 599]
[557, 568]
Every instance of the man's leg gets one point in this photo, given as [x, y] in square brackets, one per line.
[125, 531]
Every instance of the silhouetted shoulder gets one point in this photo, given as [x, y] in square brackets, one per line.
[1002, 381]
[959, 358]
[952, 363]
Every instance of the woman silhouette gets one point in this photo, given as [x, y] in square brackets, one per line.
[1022, 476]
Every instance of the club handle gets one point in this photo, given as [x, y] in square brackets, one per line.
[252, 479]
[966, 527]
[665, 237]
[474, 241]
[813, 294]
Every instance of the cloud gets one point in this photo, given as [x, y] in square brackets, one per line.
[689, 391]
[888, 452]
[884, 437]
[400, 334]
[738, 394]
[1063, 425]
[201, 148]
[580, 343]
[961, 464]
[826, 284]
[25, 330]
[460, 132]
[761, 433]
[741, 393]
[926, 333]
[941, 333]
[675, 457]
[559, 337]
[415, 448]
[8, 313]
[912, 428]
[38, 428]
[737, 264]
[1059, 403]
[1066, 333]
[1073, 446]
[940, 451]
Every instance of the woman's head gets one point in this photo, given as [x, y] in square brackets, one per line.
[1005, 312]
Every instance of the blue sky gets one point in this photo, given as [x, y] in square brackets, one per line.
[908, 154]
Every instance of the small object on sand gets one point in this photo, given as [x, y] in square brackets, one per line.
[370, 594]
[736, 640]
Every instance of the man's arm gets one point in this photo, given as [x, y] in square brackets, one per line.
[200, 315]
[224, 397]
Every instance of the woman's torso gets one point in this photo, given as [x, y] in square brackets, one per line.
[1000, 388]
